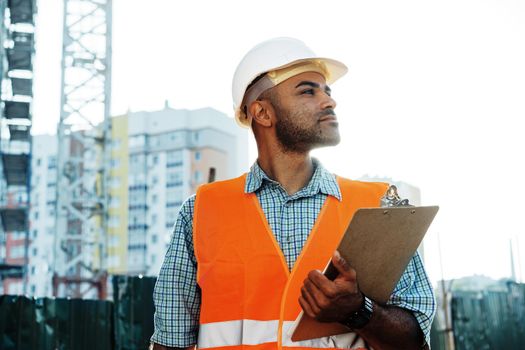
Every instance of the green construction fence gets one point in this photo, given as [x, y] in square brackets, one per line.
[480, 320]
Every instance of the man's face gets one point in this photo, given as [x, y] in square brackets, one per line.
[305, 113]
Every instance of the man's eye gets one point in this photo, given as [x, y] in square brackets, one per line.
[309, 92]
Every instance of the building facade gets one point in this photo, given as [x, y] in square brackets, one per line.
[17, 27]
[158, 160]
[42, 216]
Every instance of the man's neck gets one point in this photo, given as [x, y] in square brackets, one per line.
[293, 171]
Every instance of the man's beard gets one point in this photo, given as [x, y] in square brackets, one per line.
[295, 137]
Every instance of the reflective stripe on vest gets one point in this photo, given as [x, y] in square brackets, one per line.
[248, 295]
[252, 332]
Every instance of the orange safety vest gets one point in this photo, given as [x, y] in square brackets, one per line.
[249, 297]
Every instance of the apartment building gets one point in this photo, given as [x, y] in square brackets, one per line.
[158, 160]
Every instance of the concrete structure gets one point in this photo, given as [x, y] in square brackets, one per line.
[42, 215]
[158, 160]
[16, 95]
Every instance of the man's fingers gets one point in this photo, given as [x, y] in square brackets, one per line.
[306, 307]
[323, 284]
[312, 295]
[346, 272]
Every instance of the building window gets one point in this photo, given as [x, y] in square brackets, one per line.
[173, 158]
[113, 221]
[154, 238]
[197, 155]
[17, 252]
[154, 199]
[197, 176]
[136, 158]
[35, 251]
[38, 161]
[115, 144]
[52, 162]
[174, 179]
[115, 163]
[114, 182]
[114, 240]
[114, 202]
[137, 141]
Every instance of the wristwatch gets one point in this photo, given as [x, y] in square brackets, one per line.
[360, 318]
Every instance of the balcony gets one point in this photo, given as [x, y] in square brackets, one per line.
[16, 110]
[22, 11]
[14, 219]
[16, 168]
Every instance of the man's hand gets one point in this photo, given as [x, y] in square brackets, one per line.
[390, 328]
[331, 301]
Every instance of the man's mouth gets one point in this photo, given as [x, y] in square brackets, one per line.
[328, 115]
[328, 118]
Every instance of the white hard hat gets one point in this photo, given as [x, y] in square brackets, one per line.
[276, 55]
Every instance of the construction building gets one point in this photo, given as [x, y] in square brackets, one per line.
[157, 160]
[42, 215]
[17, 30]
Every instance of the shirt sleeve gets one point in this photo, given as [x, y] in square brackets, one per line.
[176, 295]
[414, 292]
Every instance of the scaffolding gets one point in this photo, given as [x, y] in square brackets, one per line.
[84, 126]
[17, 28]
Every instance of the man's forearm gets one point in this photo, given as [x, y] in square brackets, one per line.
[162, 347]
[392, 328]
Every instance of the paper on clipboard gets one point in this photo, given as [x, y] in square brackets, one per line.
[378, 244]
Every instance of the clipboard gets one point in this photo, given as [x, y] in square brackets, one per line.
[378, 244]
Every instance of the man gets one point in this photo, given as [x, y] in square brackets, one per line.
[245, 254]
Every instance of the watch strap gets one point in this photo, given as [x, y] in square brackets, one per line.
[361, 317]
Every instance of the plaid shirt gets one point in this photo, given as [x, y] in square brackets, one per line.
[291, 218]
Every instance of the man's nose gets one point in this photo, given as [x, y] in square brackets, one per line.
[328, 102]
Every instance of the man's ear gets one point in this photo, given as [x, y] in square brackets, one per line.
[262, 113]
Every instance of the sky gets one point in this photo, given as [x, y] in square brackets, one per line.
[434, 97]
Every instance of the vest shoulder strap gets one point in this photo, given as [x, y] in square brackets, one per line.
[352, 188]
[225, 187]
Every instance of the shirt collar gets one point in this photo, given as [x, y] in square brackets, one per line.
[322, 181]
